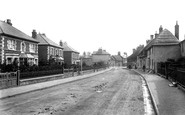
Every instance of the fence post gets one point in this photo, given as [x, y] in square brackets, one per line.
[18, 77]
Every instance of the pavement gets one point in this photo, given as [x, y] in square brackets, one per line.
[4, 93]
[167, 100]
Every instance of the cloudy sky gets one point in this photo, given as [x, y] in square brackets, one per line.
[86, 25]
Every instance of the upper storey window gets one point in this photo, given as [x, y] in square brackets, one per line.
[11, 44]
[23, 47]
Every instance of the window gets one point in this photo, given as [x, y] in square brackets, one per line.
[11, 44]
[23, 47]
[32, 48]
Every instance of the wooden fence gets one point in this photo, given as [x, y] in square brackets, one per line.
[10, 79]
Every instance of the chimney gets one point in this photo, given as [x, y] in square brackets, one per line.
[177, 30]
[34, 34]
[61, 43]
[160, 29]
[134, 50]
[119, 53]
[151, 37]
[156, 35]
[8, 21]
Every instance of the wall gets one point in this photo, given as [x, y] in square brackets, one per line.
[67, 57]
[182, 48]
[42, 50]
[162, 53]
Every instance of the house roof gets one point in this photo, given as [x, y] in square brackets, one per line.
[134, 55]
[100, 52]
[164, 38]
[9, 30]
[69, 48]
[43, 40]
[118, 57]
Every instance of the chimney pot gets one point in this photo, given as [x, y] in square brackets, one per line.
[151, 37]
[61, 43]
[34, 34]
[177, 30]
[9, 22]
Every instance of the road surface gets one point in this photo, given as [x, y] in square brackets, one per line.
[116, 92]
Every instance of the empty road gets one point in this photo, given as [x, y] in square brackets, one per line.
[116, 92]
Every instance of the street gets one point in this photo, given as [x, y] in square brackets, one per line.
[116, 92]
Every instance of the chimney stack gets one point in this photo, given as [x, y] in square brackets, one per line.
[156, 35]
[160, 29]
[119, 53]
[8, 21]
[34, 34]
[151, 37]
[177, 30]
[61, 43]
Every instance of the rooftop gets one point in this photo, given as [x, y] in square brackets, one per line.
[9, 30]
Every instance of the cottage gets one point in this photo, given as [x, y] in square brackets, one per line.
[16, 47]
[49, 51]
[164, 46]
[132, 59]
[117, 60]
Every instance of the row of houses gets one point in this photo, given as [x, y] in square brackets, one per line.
[159, 48]
[16, 47]
[103, 56]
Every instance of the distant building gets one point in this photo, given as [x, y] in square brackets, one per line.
[87, 59]
[71, 56]
[132, 59]
[49, 51]
[117, 60]
[164, 46]
[101, 56]
[16, 47]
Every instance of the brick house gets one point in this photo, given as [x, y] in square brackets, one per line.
[101, 56]
[16, 47]
[164, 46]
[49, 51]
[71, 56]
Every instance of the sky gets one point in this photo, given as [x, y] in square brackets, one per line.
[87, 25]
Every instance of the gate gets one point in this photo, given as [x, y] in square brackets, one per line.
[9, 79]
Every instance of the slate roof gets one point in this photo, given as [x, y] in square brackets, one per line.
[118, 57]
[68, 48]
[43, 40]
[100, 52]
[9, 30]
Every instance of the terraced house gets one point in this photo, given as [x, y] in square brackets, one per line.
[16, 47]
[49, 51]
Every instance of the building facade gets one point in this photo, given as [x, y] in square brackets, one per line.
[101, 56]
[16, 47]
[71, 56]
[49, 52]
[117, 60]
[163, 47]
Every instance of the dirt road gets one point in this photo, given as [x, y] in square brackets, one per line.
[116, 92]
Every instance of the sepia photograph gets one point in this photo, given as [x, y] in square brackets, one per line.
[92, 57]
